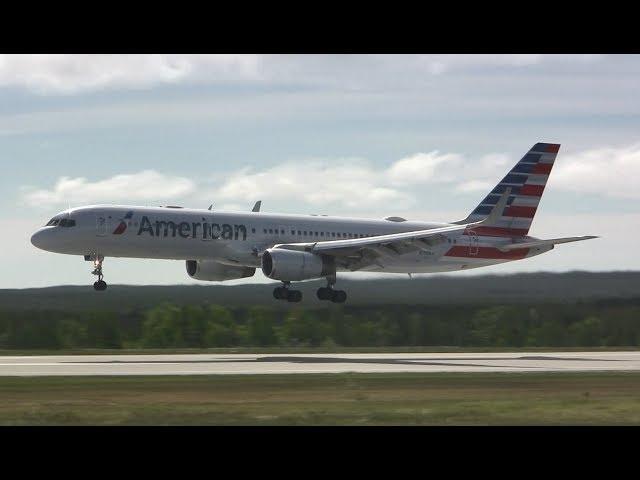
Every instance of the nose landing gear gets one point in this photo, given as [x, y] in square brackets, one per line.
[100, 285]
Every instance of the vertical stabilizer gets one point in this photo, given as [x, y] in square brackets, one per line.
[526, 180]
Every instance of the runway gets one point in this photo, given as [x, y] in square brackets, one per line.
[204, 364]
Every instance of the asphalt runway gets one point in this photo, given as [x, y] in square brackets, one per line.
[316, 363]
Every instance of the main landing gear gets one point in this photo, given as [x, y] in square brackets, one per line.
[100, 285]
[324, 293]
[328, 293]
[283, 293]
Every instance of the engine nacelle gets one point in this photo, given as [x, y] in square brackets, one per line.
[216, 272]
[291, 265]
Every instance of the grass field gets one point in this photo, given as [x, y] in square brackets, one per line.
[335, 399]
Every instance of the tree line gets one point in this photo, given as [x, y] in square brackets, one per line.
[603, 323]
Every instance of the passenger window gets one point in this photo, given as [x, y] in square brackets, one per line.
[333, 234]
[282, 232]
[316, 234]
[293, 232]
[338, 234]
[271, 230]
[299, 232]
[253, 230]
[264, 230]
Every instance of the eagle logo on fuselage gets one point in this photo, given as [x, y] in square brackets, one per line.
[122, 226]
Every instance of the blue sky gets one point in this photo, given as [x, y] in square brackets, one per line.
[423, 137]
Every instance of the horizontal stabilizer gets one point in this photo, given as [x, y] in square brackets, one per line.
[542, 243]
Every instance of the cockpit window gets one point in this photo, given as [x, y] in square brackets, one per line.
[61, 222]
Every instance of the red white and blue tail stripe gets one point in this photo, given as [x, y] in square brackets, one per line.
[527, 180]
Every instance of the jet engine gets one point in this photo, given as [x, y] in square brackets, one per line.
[216, 272]
[291, 265]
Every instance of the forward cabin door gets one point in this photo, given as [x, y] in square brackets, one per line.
[102, 224]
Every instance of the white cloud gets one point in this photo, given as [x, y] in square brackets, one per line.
[608, 171]
[66, 74]
[475, 186]
[348, 182]
[425, 167]
[438, 64]
[352, 183]
[76, 73]
[147, 185]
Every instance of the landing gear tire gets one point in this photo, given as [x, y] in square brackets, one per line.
[328, 293]
[339, 296]
[324, 293]
[100, 285]
[283, 293]
[280, 293]
[294, 296]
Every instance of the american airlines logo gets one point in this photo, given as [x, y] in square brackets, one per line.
[203, 230]
[122, 226]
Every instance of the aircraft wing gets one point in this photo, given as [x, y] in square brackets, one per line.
[417, 237]
[369, 248]
[357, 253]
[542, 243]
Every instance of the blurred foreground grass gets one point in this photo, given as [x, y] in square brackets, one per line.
[328, 399]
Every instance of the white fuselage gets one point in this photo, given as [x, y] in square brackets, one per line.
[239, 238]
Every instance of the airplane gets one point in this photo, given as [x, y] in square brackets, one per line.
[226, 245]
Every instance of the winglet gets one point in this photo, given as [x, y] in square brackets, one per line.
[498, 209]
[256, 207]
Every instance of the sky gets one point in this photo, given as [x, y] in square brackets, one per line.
[424, 137]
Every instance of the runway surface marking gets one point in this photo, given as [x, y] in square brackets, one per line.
[205, 364]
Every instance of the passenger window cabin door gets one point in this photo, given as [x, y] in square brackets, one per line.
[473, 243]
[102, 224]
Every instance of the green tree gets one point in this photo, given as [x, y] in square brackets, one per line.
[260, 329]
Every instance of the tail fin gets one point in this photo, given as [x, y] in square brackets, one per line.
[527, 180]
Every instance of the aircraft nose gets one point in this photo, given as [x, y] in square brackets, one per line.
[37, 239]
